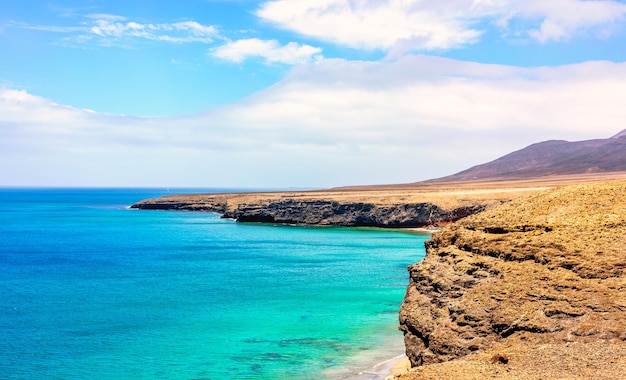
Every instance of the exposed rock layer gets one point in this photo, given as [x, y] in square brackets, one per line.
[415, 205]
[401, 208]
[217, 203]
[542, 272]
[349, 214]
[320, 212]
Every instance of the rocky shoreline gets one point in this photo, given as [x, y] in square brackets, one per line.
[327, 213]
[350, 214]
[386, 208]
[527, 283]
[392, 206]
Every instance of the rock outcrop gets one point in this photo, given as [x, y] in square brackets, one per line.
[349, 214]
[325, 209]
[217, 203]
[411, 205]
[541, 275]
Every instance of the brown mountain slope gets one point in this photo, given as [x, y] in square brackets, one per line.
[554, 157]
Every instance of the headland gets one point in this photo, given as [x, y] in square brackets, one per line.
[526, 279]
[532, 289]
[425, 204]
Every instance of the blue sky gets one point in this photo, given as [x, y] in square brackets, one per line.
[297, 93]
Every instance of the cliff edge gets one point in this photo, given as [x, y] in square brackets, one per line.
[534, 288]
[389, 208]
[410, 205]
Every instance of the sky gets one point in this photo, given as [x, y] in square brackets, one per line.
[297, 93]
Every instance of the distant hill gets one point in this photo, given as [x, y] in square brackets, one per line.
[553, 157]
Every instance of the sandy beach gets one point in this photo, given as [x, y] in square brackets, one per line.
[376, 364]
[387, 369]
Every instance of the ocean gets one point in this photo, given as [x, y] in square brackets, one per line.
[91, 289]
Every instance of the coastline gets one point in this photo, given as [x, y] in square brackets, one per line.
[392, 362]
[385, 370]
[421, 230]
[378, 363]
[388, 361]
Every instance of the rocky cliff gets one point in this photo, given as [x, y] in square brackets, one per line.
[217, 203]
[538, 283]
[393, 209]
[325, 212]
[410, 205]
[350, 214]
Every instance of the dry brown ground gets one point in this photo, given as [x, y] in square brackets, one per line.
[598, 361]
[541, 279]
[445, 195]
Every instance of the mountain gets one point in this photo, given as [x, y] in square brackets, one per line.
[553, 157]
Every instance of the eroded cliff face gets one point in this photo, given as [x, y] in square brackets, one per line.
[217, 203]
[349, 214]
[319, 212]
[547, 270]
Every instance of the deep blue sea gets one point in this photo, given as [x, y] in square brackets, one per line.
[92, 290]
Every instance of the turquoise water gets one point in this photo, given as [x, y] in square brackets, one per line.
[90, 289]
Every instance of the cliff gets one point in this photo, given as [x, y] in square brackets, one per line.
[328, 212]
[415, 205]
[538, 283]
[410, 205]
[350, 214]
[374, 208]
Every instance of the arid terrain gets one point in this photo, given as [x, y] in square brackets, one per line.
[553, 157]
[532, 289]
[407, 205]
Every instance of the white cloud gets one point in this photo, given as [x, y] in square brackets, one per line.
[18, 104]
[562, 19]
[108, 30]
[269, 50]
[404, 25]
[333, 122]
[376, 24]
[178, 32]
[399, 102]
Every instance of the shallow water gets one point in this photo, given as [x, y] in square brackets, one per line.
[91, 289]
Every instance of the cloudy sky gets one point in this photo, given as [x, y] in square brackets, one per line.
[297, 93]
